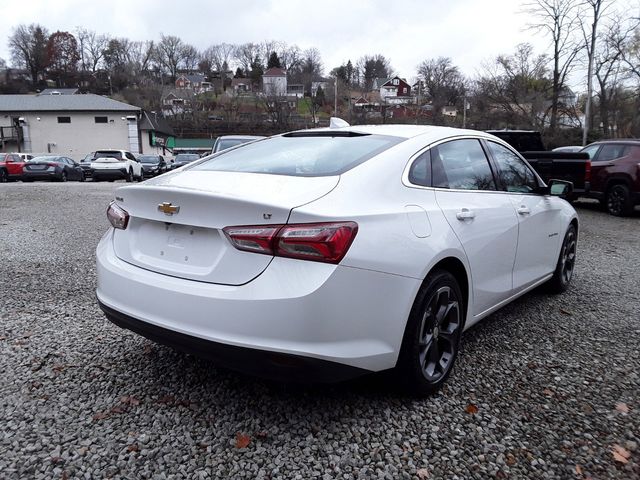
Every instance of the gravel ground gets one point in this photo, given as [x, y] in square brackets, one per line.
[545, 388]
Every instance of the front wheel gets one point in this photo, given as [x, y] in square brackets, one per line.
[82, 177]
[619, 201]
[129, 177]
[432, 337]
[566, 262]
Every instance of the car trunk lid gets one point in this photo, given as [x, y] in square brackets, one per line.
[176, 223]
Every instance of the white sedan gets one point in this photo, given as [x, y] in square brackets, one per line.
[326, 254]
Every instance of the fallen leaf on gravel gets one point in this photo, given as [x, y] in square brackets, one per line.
[2, 337]
[510, 460]
[620, 454]
[130, 400]
[203, 445]
[547, 392]
[532, 365]
[622, 407]
[56, 460]
[148, 348]
[167, 399]
[65, 475]
[82, 451]
[471, 408]
[242, 441]
[133, 447]
[27, 334]
[101, 415]
[422, 473]
[118, 409]
[565, 312]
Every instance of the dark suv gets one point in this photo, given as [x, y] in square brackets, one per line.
[615, 174]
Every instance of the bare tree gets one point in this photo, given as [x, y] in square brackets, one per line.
[247, 54]
[189, 57]
[28, 46]
[443, 83]
[557, 19]
[91, 47]
[590, 35]
[170, 53]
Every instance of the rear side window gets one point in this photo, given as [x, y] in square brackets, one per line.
[514, 174]
[420, 171]
[306, 155]
[462, 165]
[611, 152]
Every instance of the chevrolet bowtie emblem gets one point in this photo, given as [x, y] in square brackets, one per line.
[168, 209]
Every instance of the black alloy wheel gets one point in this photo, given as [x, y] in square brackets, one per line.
[619, 200]
[566, 262]
[3, 176]
[431, 342]
[82, 177]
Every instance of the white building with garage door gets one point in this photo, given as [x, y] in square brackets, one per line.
[70, 125]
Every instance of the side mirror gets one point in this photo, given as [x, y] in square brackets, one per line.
[560, 188]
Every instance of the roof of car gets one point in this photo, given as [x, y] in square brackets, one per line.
[618, 140]
[406, 131]
[240, 137]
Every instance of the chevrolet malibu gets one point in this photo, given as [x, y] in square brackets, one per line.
[330, 253]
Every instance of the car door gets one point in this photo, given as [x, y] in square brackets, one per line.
[482, 217]
[540, 223]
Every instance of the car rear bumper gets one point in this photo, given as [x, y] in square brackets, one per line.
[110, 174]
[296, 309]
[40, 175]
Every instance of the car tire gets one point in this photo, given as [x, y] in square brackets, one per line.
[566, 262]
[129, 177]
[4, 178]
[432, 336]
[619, 201]
[82, 177]
[63, 176]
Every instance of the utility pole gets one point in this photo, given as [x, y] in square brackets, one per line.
[464, 112]
[335, 97]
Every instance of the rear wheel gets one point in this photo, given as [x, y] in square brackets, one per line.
[432, 337]
[566, 262]
[4, 178]
[619, 200]
[63, 176]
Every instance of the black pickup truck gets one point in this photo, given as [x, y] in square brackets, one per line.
[573, 167]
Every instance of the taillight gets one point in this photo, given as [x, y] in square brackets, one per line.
[320, 242]
[118, 216]
[587, 171]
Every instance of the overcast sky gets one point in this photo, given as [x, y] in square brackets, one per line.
[405, 31]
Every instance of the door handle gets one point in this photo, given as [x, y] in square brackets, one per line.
[465, 214]
[522, 210]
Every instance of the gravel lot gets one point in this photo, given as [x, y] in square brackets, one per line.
[546, 388]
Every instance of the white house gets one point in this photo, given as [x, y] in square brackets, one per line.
[71, 125]
[274, 82]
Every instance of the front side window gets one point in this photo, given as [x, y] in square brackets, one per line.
[591, 150]
[461, 165]
[302, 154]
[513, 173]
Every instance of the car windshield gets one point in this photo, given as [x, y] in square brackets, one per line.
[310, 154]
[187, 157]
[149, 159]
[107, 154]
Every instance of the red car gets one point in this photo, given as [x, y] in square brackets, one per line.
[615, 174]
[11, 166]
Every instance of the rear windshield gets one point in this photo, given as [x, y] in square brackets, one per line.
[107, 154]
[149, 159]
[304, 155]
[187, 157]
[224, 144]
[45, 159]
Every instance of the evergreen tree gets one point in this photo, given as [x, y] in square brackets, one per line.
[274, 61]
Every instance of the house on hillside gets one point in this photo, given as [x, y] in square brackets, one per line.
[295, 90]
[396, 91]
[323, 83]
[274, 82]
[70, 125]
[240, 85]
[196, 82]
